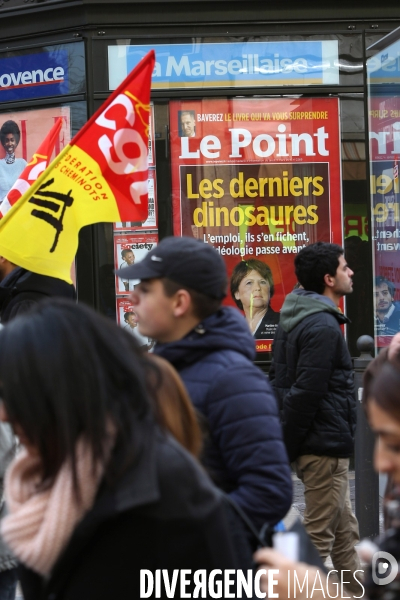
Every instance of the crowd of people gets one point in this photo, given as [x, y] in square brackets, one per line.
[180, 458]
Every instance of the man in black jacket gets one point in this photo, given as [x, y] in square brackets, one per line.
[21, 289]
[313, 378]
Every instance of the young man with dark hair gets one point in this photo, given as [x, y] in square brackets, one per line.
[178, 303]
[312, 375]
[387, 313]
[316, 260]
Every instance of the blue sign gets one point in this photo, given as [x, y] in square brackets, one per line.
[34, 75]
[384, 67]
[249, 64]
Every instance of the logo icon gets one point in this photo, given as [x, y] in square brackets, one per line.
[384, 568]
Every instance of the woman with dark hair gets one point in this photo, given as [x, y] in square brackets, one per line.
[252, 287]
[10, 166]
[100, 491]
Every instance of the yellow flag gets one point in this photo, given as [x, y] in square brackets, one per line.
[101, 176]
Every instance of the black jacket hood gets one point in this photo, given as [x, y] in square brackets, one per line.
[21, 288]
[26, 281]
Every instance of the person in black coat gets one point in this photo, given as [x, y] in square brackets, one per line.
[101, 497]
[380, 577]
[313, 378]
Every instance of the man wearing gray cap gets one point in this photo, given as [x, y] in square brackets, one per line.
[178, 303]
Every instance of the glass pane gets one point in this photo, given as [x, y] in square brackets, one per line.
[383, 71]
[258, 178]
[123, 243]
[355, 209]
[22, 133]
[31, 126]
[42, 72]
[232, 62]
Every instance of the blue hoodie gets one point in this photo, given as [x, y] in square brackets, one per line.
[244, 450]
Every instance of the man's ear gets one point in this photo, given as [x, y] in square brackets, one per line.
[329, 280]
[182, 303]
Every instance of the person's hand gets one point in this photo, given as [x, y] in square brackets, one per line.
[285, 574]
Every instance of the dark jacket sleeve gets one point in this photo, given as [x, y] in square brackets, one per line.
[318, 347]
[243, 418]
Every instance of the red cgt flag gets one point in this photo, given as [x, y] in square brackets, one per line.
[101, 176]
[38, 163]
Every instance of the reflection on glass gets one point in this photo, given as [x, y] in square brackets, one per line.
[383, 70]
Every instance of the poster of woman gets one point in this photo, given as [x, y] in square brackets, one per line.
[10, 166]
[252, 288]
[21, 133]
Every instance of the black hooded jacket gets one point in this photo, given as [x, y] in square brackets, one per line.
[312, 375]
[21, 289]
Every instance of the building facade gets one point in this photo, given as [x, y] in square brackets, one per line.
[259, 131]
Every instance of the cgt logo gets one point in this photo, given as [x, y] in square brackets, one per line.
[126, 133]
[384, 568]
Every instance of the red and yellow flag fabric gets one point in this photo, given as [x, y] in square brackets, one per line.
[38, 163]
[101, 176]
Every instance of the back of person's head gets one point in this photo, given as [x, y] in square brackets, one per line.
[371, 373]
[185, 263]
[7, 128]
[382, 385]
[314, 262]
[379, 281]
[376, 387]
[67, 372]
[173, 408]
